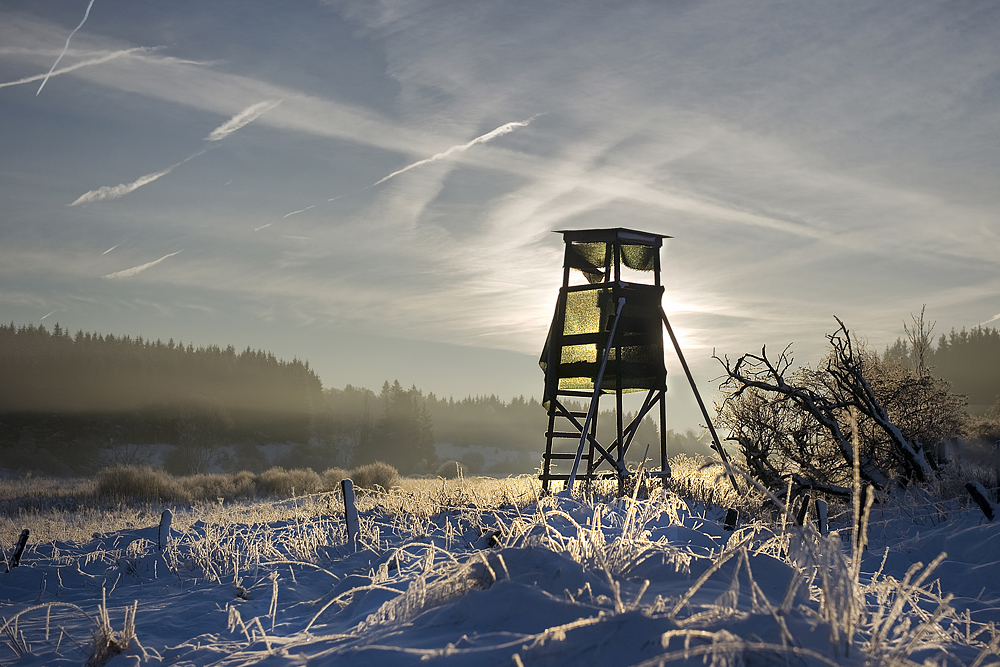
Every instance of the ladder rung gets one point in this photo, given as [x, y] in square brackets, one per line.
[563, 434]
[565, 455]
[573, 413]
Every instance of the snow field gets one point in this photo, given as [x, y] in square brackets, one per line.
[489, 573]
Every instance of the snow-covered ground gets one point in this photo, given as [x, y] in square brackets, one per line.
[556, 581]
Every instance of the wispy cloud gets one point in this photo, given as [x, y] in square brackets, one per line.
[236, 122]
[83, 63]
[122, 189]
[301, 210]
[128, 273]
[85, 15]
[489, 136]
[245, 117]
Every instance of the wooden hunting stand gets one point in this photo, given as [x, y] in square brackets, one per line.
[606, 338]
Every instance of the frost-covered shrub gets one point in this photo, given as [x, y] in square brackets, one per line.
[375, 474]
[231, 486]
[332, 477]
[139, 483]
[280, 482]
[450, 469]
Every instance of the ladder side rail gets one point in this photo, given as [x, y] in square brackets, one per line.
[547, 458]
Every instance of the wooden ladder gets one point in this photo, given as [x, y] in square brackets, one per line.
[562, 430]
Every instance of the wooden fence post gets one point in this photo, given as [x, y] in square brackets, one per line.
[732, 518]
[15, 560]
[982, 499]
[996, 461]
[821, 517]
[165, 519]
[800, 518]
[350, 513]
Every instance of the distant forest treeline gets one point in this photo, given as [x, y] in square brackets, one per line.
[968, 359]
[69, 403]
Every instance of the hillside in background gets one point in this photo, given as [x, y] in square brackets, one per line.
[62, 396]
[70, 403]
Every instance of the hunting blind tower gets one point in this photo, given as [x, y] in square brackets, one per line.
[606, 338]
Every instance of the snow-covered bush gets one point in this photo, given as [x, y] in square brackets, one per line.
[280, 482]
[373, 475]
[139, 483]
[450, 469]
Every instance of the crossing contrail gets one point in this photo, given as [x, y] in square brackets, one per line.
[128, 273]
[83, 63]
[244, 117]
[85, 15]
[489, 136]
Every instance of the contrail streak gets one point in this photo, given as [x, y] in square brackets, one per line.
[257, 229]
[128, 273]
[489, 136]
[993, 319]
[44, 316]
[244, 117]
[122, 189]
[85, 15]
[248, 115]
[303, 210]
[76, 66]
[110, 249]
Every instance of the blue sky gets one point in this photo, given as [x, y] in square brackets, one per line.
[810, 159]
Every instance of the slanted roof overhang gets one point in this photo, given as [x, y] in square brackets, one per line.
[612, 235]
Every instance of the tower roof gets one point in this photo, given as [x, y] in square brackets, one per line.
[612, 235]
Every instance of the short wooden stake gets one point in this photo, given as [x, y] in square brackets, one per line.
[821, 517]
[165, 519]
[996, 461]
[15, 560]
[350, 513]
[800, 518]
[978, 494]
